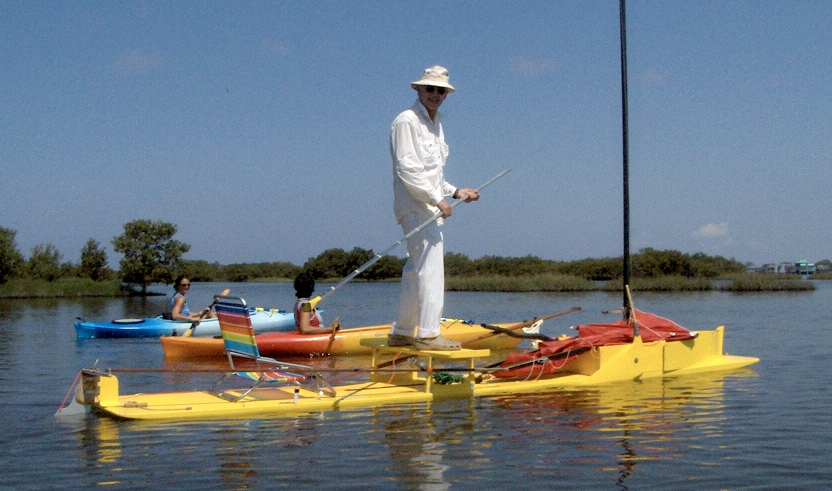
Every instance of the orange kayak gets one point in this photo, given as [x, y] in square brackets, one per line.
[344, 342]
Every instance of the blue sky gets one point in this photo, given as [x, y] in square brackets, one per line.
[261, 129]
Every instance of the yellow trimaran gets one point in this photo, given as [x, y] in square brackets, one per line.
[391, 385]
[615, 363]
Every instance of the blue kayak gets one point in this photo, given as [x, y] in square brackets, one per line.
[153, 327]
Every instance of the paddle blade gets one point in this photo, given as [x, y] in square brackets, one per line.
[534, 328]
[310, 305]
[190, 330]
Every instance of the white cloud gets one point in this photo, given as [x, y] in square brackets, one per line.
[711, 230]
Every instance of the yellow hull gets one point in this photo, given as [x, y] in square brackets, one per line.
[596, 367]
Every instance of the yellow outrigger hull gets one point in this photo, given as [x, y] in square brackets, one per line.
[596, 367]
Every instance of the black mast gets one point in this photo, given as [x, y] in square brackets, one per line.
[626, 150]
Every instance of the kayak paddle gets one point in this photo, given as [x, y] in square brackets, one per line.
[497, 330]
[196, 322]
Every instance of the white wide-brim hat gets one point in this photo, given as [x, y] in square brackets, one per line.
[435, 76]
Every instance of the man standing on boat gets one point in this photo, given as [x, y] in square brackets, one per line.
[419, 152]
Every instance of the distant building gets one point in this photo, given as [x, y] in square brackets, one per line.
[804, 268]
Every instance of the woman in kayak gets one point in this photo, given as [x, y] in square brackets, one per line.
[179, 310]
[307, 322]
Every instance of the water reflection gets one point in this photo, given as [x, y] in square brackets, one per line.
[230, 455]
[95, 308]
[100, 446]
[138, 307]
[609, 433]
[11, 312]
[727, 432]
[417, 443]
[236, 469]
[617, 428]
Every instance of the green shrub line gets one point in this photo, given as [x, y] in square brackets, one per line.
[766, 283]
[570, 283]
[62, 288]
[556, 283]
[530, 283]
[152, 255]
[663, 284]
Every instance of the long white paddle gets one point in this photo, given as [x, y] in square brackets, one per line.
[308, 306]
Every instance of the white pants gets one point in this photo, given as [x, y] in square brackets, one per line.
[423, 281]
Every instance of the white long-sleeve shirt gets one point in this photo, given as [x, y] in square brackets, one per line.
[419, 152]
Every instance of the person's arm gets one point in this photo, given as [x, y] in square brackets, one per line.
[176, 311]
[445, 208]
[469, 194]
[305, 328]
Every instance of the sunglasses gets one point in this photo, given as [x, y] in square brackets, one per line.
[440, 90]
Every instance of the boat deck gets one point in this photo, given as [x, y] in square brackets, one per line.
[380, 348]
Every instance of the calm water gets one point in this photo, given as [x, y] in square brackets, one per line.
[767, 427]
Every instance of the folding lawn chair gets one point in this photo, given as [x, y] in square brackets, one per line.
[238, 335]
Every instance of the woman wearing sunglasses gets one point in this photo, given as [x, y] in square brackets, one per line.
[419, 152]
[179, 310]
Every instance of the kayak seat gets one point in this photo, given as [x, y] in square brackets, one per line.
[238, 336]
